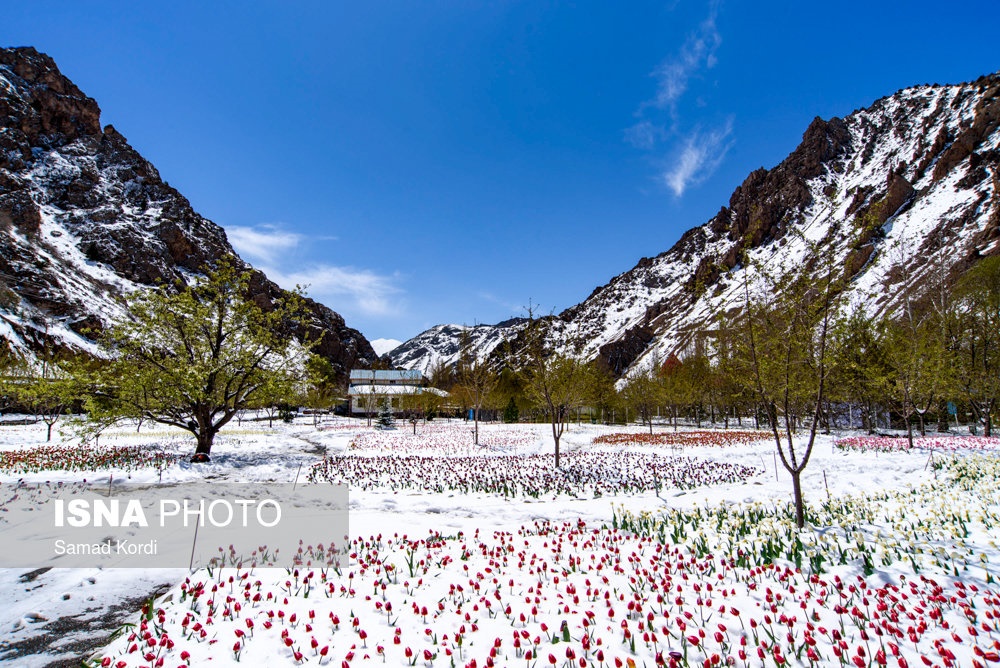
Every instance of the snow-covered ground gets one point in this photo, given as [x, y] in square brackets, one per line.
[671, 549]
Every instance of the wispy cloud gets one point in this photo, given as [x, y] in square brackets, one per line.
[644, 135]
[693, 153]
[699, 156]
[372, 293]
[272, 249]
[698, 51]
[490, 297]
[263, 243]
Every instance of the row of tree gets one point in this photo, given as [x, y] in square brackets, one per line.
[794, 358]
[195, 356]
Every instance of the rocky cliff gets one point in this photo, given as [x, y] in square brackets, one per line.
[85, 219]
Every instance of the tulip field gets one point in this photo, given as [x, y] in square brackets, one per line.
[929, 443]
[676, 549]
[589, 473]
[82, 459]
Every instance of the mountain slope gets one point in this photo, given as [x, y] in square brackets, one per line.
[890, 193]
[443, 343]
[85, 219]
[895, 190]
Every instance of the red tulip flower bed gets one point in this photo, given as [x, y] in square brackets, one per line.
[901, 444]
[444, 439]
[561, 595]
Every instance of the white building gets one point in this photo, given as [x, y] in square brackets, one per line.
[369, 389]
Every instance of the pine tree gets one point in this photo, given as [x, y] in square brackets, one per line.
[385, 418]
[510, 413]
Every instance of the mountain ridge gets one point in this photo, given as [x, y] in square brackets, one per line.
[915, 175]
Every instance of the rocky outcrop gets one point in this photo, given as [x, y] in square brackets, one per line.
[85, 218]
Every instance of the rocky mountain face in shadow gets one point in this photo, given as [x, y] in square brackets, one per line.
[85, 219]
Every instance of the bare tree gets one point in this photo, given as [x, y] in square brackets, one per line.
[643, 391]
[788, 326]
[476, 379]
[555, 380]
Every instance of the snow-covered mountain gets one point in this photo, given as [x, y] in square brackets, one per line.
[85, 219]
[383, 346]
[887, 192]
[442, 344]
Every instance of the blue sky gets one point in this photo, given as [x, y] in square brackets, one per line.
[428, 162]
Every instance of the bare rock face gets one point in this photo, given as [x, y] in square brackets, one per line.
[51, 110]
[84, 218]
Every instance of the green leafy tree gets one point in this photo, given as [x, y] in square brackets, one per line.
[674, 381]
[977, 339]
[600, 392]
[425, 402]
[862, 373]
[9, 362]
[916, 341]
[287, 387]
[322, 389]
[49, 385]
[727, 391]
[510, 387]
[916, 355]
[695, 382]
[194, 356]
[643, 392]
[510, 412]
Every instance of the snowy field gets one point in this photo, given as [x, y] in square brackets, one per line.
[675, 549]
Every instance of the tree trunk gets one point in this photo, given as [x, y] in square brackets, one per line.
[556, 412]
[800, 508]
[201, 452]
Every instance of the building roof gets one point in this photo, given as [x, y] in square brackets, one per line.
[385, 375]
[359, 390]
